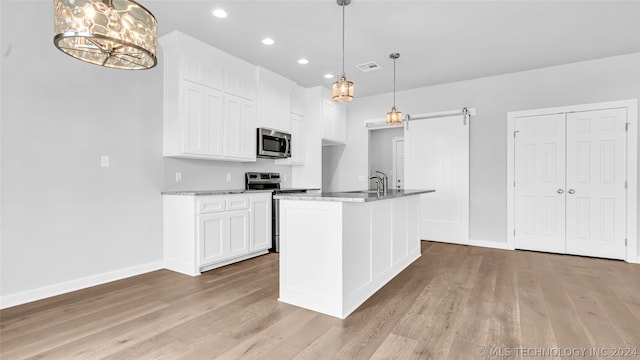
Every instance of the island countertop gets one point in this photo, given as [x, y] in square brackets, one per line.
[352, 196]
[211, 192]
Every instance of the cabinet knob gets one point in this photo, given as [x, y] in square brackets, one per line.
[560, 191]
[571, 191]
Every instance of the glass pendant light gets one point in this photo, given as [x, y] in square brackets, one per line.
[343, 88]
[119, 34]
[394, 117]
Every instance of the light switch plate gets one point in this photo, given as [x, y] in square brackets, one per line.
[228, 177]
[104, 161]
[178, 177]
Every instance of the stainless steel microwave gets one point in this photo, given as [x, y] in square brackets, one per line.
[273, 144]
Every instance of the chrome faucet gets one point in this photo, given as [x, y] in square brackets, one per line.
[379, 183]
[385, 181]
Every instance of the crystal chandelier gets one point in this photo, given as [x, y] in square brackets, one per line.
[394, 117]
[119, 34]
[343, 88]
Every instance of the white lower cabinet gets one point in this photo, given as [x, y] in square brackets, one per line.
[260, 223]
[205, 232]
[223, 236]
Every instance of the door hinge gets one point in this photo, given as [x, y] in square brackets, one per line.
[625, 242]
[626, 184]
[514, 133]
[626, 126]
[514, 183]
[514, 232]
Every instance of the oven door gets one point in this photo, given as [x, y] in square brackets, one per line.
[273, 144]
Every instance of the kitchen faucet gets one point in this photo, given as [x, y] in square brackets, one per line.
[385, 181]
[379, 183]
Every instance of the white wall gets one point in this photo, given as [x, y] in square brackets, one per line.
[381, 152]
[212, 175]
[608, 79]
[66, 222]
[65, 218]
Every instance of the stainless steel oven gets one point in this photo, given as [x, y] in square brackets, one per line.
[270, 181]
[273, 144]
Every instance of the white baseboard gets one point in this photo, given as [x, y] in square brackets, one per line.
[490, 244]
[78, 284]
[634, 260]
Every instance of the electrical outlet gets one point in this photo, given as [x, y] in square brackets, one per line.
[178, 177]
[104, 161]
[228, 177]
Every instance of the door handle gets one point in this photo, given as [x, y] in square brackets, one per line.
[571, 191]
[560, 191]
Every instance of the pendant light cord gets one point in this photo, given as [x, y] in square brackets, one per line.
[343, 38]
[394, 83]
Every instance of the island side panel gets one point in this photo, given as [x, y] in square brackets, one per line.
[311, 255]
[393, 243]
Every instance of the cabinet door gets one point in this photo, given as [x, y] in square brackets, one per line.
[239, 84]
[201, 110]
[260, 222]
[329, 113]
[214, 122]
[201, 70]
[238, 240]
[240, 125]
[275, 106]
[212, 232]
[192, 112]
[297, 142]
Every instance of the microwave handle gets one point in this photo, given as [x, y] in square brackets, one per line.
[287, 150]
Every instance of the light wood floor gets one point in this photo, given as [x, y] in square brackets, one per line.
[455, 302]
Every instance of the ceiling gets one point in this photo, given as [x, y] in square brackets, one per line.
[438, 41]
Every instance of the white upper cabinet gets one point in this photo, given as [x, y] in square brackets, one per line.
[274, 99]
[240, 119]
[297, 142]
[333, 122]
[201, 70]
[210, 97]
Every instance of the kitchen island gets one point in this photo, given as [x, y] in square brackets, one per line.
[337, 249]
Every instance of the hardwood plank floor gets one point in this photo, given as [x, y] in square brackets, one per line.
[454, 302]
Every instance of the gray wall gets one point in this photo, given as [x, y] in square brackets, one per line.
[63, 217]
[609, 79]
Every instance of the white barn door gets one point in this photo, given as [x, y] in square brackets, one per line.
[437, 157]
[540, 183]
[596, 174]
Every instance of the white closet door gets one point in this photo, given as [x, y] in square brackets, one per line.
[540, 183]
[437, 157]
[596, 174]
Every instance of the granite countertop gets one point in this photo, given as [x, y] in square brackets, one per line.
[212, 192]
[352, 196]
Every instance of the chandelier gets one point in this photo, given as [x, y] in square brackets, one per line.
[118, 34]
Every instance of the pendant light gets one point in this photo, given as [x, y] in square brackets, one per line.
[394, 117]
[118, 34]
[343, 88]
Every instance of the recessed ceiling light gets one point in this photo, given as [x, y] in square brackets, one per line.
[303, 61]
[219, 13]
[328, 76]
[268, 41]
